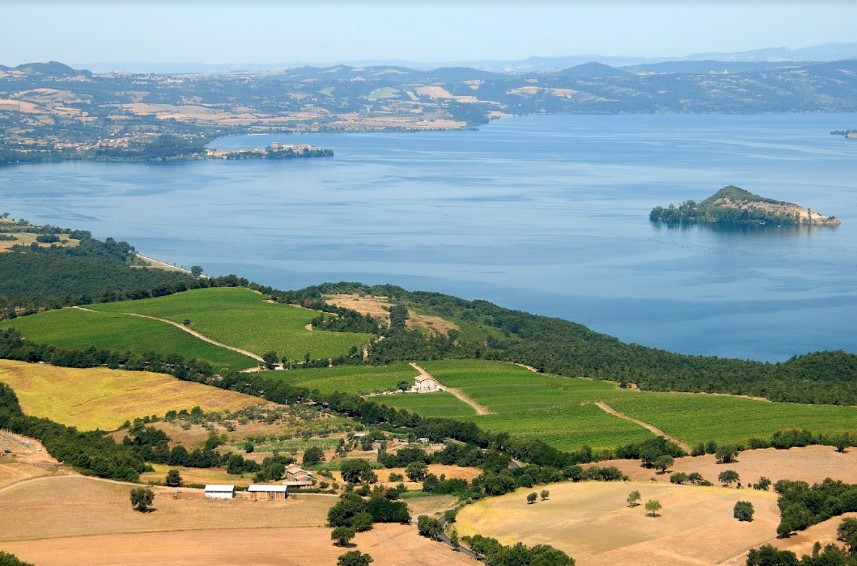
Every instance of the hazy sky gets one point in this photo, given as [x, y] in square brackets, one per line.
[258, 31]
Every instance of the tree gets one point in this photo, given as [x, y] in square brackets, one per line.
[663, 462]
[313, 455]
[362, 521]
[531, 498]
[341, 535]
[7, 559]
[743, 511]
[416, 471]
[652, 507]
[634, 498]
[728, 477]
[847, 533]
[545, 494]
[841, 443]
[270, 359]
[173, 479]
[453, 540]
[726, 454]
[769, 556]
[763, 484]
[356, 470]
[354, 558]
[141, 498]
[428, 526]
[196, 270]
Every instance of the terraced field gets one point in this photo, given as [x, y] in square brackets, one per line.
[103, 398]
[240, 317]
[76, 329]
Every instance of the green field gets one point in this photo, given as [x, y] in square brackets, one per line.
[76, 329]
[240, 317]
[561, 410]
[359, 380]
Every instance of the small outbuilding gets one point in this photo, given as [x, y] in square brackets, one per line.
[267, 492]
[216, 491]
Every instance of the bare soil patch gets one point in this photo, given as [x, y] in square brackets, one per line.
[389, 545]
[810, 464]
[592, 522]
[26, 459]
[379, 307]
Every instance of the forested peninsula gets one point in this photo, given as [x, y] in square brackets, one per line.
[734, 206]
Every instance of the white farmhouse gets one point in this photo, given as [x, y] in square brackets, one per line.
[425, 383]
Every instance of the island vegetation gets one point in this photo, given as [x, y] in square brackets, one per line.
[734, 206]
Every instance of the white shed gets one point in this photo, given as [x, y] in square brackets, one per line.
[215, 491]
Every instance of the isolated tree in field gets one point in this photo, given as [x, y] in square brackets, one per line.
[726, 454]
[313, 455]
[141, 498]
[663, 462]
[531, 498]
[634, 498]
[841, 443]
[270, 359]
[544, 494]
[428, 526]
[173, 479]
[416, 471]
[743, 511]
[354, 558]
[341, 535]
[728, 477]
[652, 507]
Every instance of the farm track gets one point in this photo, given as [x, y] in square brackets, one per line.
[480, 410]
[650, 427]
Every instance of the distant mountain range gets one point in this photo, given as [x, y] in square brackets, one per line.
[535, 64]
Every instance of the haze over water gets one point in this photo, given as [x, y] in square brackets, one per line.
[547, 214]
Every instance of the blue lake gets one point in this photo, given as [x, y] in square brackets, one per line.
[547, 214]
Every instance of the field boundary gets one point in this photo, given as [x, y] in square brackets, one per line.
[480, 410]
[650, 427]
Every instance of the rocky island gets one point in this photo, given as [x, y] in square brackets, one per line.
[734, 206]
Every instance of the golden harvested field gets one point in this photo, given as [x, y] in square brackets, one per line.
[60, 520]
[68, 506]
[379, 308]
[103, 398]
[592, 522]
[810, 464]
[389, 545]
[27, 459]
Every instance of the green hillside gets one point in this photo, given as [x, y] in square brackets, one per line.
[76, 329]
[242, 318]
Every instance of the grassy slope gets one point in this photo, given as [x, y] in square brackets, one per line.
[350, 379]
[103, 398]
[559, 410]
[78, 329]
[240, 317]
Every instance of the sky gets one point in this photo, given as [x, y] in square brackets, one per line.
[320, 31]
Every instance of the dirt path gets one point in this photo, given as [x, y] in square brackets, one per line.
[480, 410]
[525, 366]
[184, 328]
[198, 335]
[652, 428]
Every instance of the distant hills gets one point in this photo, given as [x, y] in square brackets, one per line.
[535, 64]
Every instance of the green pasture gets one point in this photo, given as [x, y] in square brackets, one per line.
[360, 380]
[436, 404]
[240, 317]
[697, 417]
[76, 329]
[560, 410]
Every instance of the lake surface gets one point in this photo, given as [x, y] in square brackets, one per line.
[547, 214]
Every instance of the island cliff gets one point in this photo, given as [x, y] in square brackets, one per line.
[732, 205]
